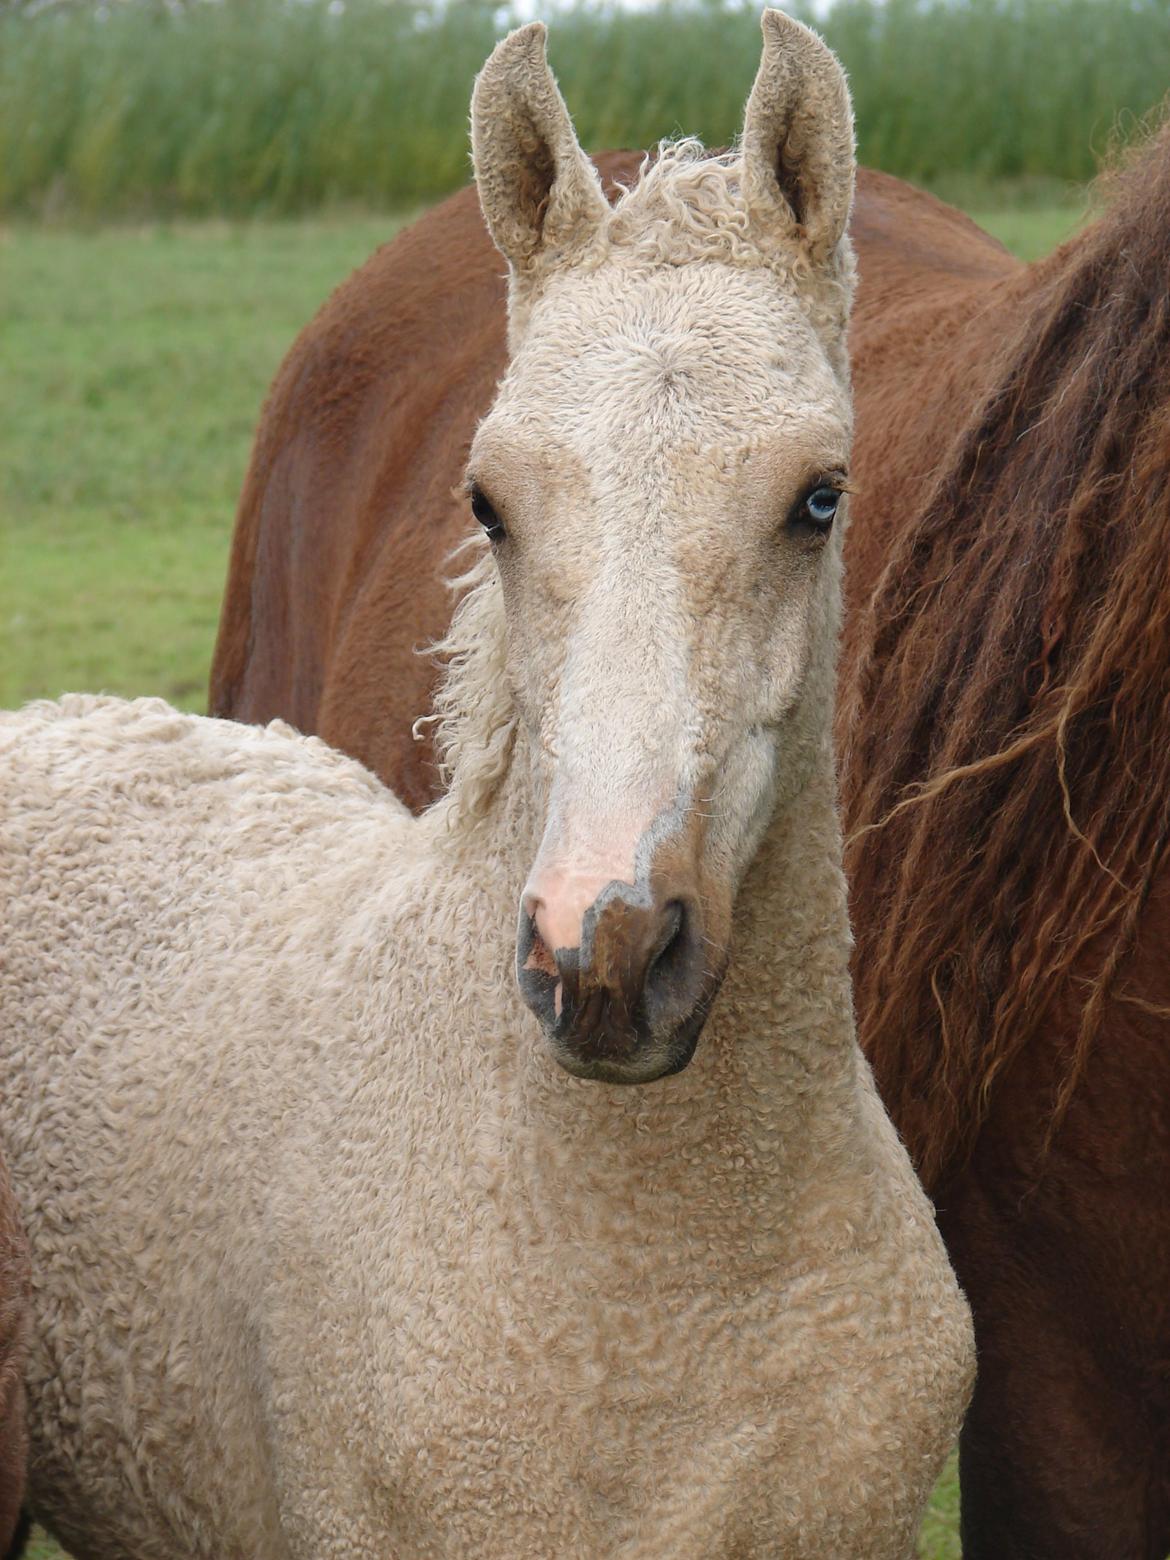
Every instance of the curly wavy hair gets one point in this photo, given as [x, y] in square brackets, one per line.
[1006, 780]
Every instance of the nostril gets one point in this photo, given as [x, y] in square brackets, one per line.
[667, 963]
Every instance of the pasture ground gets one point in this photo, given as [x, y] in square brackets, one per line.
[134, 365]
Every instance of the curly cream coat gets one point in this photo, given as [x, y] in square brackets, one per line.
[330, 1258]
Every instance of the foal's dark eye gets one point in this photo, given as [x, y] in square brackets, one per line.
[484, 512]
[814, 514]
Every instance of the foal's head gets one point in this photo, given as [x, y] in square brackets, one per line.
[660, 478]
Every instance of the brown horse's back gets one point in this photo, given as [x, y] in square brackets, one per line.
[920, 361]
[349, 514]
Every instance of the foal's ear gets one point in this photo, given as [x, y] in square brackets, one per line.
[539, 192]
[797, 153]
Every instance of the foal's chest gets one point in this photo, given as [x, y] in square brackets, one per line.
[572, 1408]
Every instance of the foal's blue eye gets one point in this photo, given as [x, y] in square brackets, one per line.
[821, 506]
[815, 512]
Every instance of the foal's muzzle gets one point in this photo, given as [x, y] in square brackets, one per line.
[626, 1003]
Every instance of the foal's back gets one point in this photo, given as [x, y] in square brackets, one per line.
[156, 873]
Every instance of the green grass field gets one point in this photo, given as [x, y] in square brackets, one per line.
[134, 366]
[135, 363]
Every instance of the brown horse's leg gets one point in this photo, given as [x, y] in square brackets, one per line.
[1044, 1479]
[19, 1540]
[1062, 1454]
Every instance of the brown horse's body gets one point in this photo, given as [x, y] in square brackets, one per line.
[1011, 978]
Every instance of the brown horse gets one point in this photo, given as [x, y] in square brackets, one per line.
[1005, 668]
[1005, 735]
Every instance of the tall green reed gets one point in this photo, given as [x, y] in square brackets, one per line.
[278, 106]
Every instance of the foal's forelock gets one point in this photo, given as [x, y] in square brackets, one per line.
[688, 207]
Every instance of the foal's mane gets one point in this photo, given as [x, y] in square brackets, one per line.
[474, 713]
[1019, 654]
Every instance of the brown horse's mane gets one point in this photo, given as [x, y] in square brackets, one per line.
[1010, 810]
